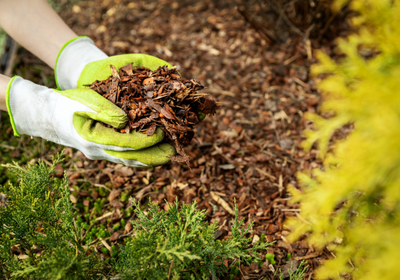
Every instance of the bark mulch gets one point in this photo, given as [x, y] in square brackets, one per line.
[249, 151]
[160, 98]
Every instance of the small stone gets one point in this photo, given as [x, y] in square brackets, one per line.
[76, 9]
[256, 238]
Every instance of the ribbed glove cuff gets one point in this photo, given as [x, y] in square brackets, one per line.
[72, 59]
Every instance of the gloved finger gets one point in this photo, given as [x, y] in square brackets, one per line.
[106, 111]
[96, 132]
[154, 156]
[100, 70]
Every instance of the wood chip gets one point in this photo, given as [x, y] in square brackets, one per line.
[114, 72]
[222, 202]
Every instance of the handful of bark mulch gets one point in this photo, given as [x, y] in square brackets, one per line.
[160, 98]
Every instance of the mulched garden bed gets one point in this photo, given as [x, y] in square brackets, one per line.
[249, 151]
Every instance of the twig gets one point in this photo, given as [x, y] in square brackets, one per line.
[240, 270]
[310, 256]
[102, 186]
[276, 132]
[327, 24]
[7, 146]
[265, 173]
[233, 263]
[104, 216]
[352, 265]
[282, 13]
[245, 15]
[86, 232]
[212, 276]
[170, 270]
[290, 210]
[140, 193]
[290, 59]
[76, 246]
[302, 219]
[105, 244]
[308, 31]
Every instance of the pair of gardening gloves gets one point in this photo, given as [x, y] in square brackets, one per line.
[71, 115]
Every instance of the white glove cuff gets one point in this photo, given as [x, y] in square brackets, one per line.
[71, 60]
[30, 107]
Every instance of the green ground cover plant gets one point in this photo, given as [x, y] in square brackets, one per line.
[40, 239]
[38, 236]
[295, 274]
[20, 149]
[179, 244]
[353, 203]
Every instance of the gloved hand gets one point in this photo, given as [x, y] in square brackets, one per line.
[80, 63]
[69, 118]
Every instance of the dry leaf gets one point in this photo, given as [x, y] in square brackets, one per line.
[124, 171]
[23, 257]
[115, 236]
[113, 194]
[128, 227]
[117, 203]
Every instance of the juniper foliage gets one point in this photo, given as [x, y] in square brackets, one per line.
[353, 204]
[40, 240]
[179, 244]
[37, 220]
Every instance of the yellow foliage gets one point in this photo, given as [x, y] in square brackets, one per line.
[362, 174]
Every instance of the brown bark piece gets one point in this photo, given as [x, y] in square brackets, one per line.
[150, 131]
[114, 72]
[160, 98]
[127, 69]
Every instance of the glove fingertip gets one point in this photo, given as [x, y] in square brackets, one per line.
[152, 157]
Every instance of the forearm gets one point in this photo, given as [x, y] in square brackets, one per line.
[36, 26]
[4, 80]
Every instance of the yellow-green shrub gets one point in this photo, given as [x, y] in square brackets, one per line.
[355, 200]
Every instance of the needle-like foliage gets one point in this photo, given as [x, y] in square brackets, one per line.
[38, 238]
[354, 204]
[180, 243]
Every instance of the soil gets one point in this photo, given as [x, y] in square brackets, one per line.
[250, 150]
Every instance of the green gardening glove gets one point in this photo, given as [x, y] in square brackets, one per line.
[70, 118]
[81, 63]
[100, 70]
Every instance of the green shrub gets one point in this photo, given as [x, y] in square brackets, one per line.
[39, 238]
[180, 243]
[354, 203]
[37, 222]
